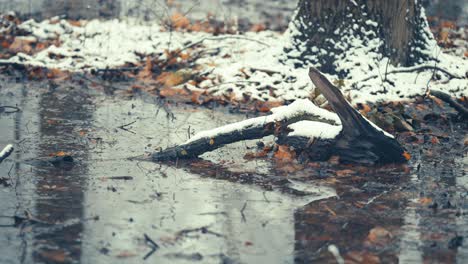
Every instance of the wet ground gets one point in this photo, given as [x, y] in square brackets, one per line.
[77, 190]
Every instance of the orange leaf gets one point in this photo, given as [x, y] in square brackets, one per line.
[425, 200]
[170, 79]
[407, 155]
[435, 140]
[267, 106]
[343, 173]
[58, 154]
[178, 20]
[284, 153]
[170, 92]
[379, 235]
[258, 27]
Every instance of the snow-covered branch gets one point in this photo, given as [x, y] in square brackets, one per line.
[256, 128]
[6, 152]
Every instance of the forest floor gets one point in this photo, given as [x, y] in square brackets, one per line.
[78, 187]
[239, 204]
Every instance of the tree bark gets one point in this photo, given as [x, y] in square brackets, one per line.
[323, 30]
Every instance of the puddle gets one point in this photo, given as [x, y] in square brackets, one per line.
[99, 209]
[104, 207]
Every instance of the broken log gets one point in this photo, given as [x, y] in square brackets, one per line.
[308, 128]
[360, 141]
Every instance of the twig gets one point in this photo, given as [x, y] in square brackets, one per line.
[242, 212]
[203, 230]
[254, 128]
[123, 127]
[448, 99]
[152, 245]
[222, 38]
[6, 152]
[413, 69]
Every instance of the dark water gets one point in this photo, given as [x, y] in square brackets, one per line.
[225, 209]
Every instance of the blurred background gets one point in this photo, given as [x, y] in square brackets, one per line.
[274, 13]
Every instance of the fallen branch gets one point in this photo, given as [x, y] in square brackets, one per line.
[6, 152]
[448, 99]
[412, 69]
[254, 128]
[346, 133]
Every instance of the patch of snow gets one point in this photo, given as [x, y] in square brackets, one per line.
[113, 43]
[314, 129]
[6, 151]
[297, 108]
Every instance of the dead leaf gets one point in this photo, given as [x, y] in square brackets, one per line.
[265, 107]
[379, 236]
[258, 27]
[425, 201]
[344, 173]
[355, 257]
[126, 254]
[179, 21]
[57, 256]
[406, 155]
[59, 154]
[284, 153]
[435, 140]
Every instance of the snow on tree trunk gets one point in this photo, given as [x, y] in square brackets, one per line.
[328, 32]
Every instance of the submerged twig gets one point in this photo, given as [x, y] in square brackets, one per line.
[124, 127]
[152, 245]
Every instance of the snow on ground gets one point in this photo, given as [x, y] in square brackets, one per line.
[246, 64]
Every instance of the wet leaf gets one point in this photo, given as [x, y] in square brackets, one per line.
[258, 27]
[284, 153]
[126, 254]
[344, 173]
[57, 256]
[435, 140]
[425, 201]
[179, 21]
[59, 154]
[379, 236]
[355, 257]
[407, 155]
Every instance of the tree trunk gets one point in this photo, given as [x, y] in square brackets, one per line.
[323, 31]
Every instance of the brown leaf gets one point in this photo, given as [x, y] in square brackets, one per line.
[361, 257]
[379, 236]
[21, 45]
[179, 21]
[425, 201]
[57, 256]
[344, 173]
[126, 254]
[284, 153]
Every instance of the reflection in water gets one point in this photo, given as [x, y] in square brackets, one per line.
[60, 190]
[235, 211]
[244, 223]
